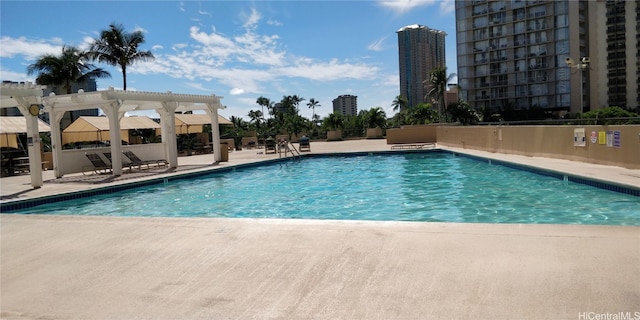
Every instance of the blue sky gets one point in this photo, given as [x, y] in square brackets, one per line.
[239, 50]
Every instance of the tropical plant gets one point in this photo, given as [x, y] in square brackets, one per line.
[375, 117]
[436, 87]
[334, 121]
[295, 124]
[70, 67]
[118, 47]
[399, 103]
[611, 112]
[313, 103]
[462, 113]
[422, 114]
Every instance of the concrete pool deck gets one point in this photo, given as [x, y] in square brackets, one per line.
[168, 268]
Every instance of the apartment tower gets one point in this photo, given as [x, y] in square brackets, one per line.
[346, 105]
[525, 54]
[420, 50]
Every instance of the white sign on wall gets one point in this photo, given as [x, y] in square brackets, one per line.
[579, 137]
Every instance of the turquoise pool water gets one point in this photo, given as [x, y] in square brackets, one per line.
[433, 186]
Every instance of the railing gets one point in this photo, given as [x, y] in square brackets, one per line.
[288, 147]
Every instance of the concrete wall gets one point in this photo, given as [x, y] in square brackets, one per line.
[545, 141]
[74, 159]
[412, 134]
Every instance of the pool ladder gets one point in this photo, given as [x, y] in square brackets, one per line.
[289, 147]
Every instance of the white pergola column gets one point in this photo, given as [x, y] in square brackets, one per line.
[56, 142]
[112, 112]
[33, 141]
[215, 132]
[168, 124]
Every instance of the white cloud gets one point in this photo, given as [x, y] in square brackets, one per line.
[236, 91]
[211, 39]
[377, 45]
[327, 71]
[402, 6]
[139, 28]
[252, 20]
[447, 6]
[30, 49]
[9, 75]
[197, 86]
[274, 23]
[179, 46]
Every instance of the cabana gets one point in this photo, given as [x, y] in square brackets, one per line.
[11, 127]
[193, 123]
[97, 128]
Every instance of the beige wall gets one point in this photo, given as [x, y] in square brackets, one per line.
[545, 141]
[412, 134]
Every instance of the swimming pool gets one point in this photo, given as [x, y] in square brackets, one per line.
[431, 186]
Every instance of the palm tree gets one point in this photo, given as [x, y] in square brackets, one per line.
[313, 103]
[255, 117]
[71, 66]
[118, 47]
[264, 102]
[290, 103]
[436, 86]
[399, 103]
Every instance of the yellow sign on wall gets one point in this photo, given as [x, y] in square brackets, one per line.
[602, 137]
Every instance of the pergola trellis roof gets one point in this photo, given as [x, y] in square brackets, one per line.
[130, 100]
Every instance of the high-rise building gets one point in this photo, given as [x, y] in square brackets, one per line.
[420, 50]
[622, 53]
[514, 54]
[346, 105]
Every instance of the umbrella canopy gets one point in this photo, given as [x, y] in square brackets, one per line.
[10, 127]
[97, 128]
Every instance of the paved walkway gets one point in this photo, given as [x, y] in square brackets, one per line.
[66, 267]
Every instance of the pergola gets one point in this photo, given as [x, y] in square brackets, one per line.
[114, 104]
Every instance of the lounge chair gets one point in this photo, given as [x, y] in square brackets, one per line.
[305, 145]
[124, 164]
[270, 145]
[139, 162]
[98, 165]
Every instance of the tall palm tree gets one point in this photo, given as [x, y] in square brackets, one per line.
[313, 103]
[118, 47]
[72, 66]
[255, 118]
[264, 102]
[290, 103]
[399, 103]
[436, 86]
